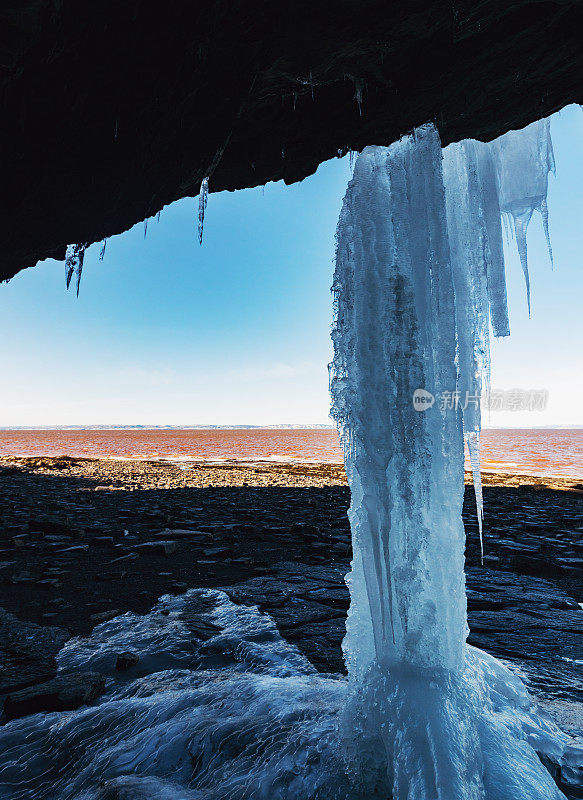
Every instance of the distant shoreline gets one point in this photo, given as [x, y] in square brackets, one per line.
[550, 452]
[165, 427]
[233, 471]
[284, 427]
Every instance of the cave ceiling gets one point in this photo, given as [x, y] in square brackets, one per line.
[113, 109]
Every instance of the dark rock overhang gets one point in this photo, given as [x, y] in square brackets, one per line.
[112, 109]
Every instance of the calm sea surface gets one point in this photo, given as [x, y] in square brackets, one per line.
[516, 450]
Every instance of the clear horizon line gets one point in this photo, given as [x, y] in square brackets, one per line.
[280, 426]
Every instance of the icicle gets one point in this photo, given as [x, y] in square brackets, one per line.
[523, 160]
[469, 249]
[70, 257]
[74, 263]
[508, 230]
[80, 270]
[520, 227]
[473, 442]
[474, 237]
[145, 227]
[102, 251]
[494, 247]
[202, 201]
[158, 216]
[544, 211]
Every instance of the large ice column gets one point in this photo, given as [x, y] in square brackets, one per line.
[394, 335]
[427, 718]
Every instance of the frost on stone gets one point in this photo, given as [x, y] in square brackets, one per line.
[523, 160]
[202, 201]
[74, 257]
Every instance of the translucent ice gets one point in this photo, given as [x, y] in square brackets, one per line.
[412, 308]
[492, 233]
[392, 287]
[74, 257]
[473, 242]
[523, 160]
[473, 441]
[242, 715]
[202, 201]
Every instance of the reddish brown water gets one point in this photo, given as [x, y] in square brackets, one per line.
[516, 450]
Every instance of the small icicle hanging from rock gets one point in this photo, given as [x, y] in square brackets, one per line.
[70, 260]
[202, 201]
[74, 257]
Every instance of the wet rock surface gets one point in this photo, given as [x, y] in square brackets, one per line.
[126, 660]
[63, 693]
[84, 540]
[27, 652]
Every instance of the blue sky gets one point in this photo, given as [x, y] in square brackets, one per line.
[238, 331]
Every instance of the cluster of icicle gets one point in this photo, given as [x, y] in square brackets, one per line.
[75, 253]
[485, 184]
[419, 279]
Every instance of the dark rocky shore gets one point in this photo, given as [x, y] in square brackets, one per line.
[84, 540]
